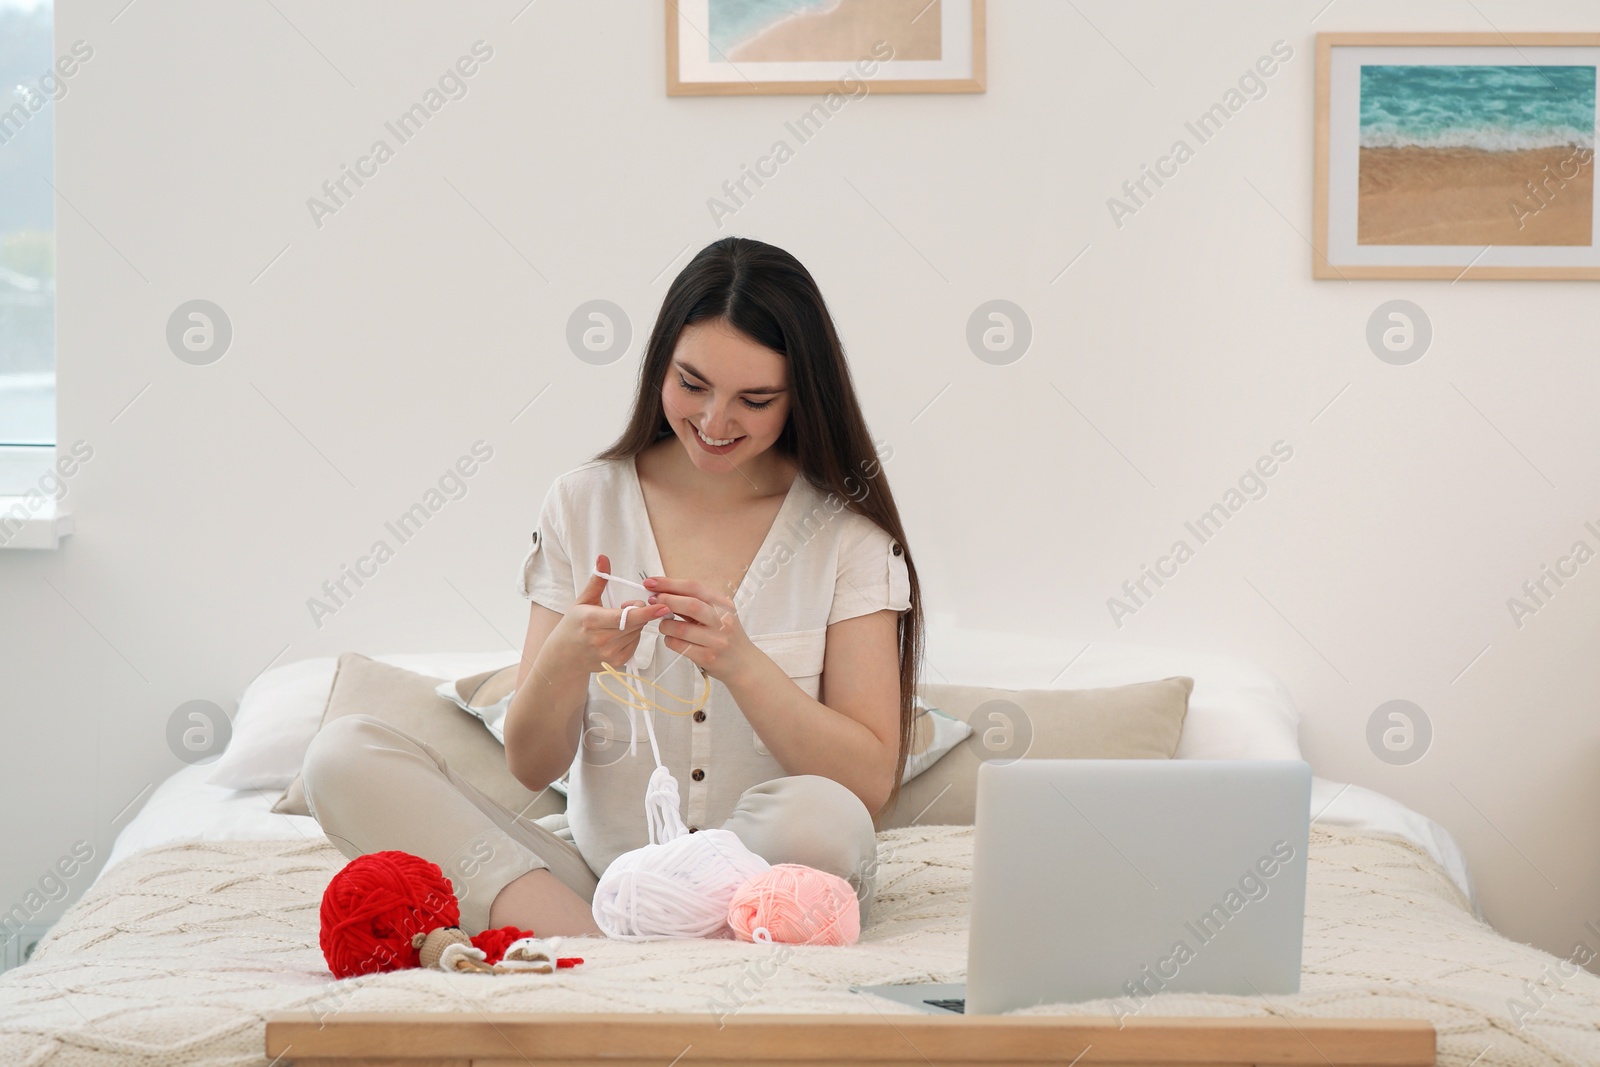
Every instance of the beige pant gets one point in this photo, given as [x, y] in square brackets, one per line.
[373, 787]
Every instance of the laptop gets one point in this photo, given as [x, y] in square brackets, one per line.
[1101, 878]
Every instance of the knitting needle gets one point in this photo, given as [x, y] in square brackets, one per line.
[628, 581]
[625, 581]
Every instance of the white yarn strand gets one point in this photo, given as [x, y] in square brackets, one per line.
[680, 884]
[661, 807]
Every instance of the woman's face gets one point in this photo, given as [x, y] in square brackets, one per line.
[723, 386]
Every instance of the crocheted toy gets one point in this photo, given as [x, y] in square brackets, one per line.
[387, 911]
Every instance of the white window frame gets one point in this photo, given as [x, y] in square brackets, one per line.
[29, 514]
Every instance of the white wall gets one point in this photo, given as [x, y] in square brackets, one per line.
[378, 348]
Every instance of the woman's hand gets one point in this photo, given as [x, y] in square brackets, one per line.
[707, 631]
[589, 629]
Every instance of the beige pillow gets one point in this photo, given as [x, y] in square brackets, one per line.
[1139, 721]
[406, 700]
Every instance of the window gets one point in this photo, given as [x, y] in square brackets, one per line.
[28, 89]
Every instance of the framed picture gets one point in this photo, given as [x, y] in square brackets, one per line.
[1456, 155]
[727, 47]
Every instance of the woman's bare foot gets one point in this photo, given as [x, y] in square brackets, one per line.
[538, 901]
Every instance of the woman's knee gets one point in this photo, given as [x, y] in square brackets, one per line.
[815, 821]
[339, 760]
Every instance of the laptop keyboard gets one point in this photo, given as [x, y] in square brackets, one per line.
[955, 1004]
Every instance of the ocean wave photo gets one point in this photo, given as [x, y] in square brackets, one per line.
[1476, 155]
[757, 31]
[732, 23]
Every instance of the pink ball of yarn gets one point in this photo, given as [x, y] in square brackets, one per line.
[796, 905]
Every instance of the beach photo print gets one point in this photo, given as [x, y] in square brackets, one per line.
[726, 47]
[1459, 156]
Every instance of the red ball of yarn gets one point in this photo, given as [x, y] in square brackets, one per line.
[374, 907]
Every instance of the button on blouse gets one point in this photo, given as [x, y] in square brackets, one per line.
[819, 564]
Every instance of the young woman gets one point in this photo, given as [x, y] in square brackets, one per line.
[746, 495]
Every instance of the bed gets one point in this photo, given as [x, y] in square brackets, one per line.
[197, 944]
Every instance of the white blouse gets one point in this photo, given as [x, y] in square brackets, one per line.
[820, 563]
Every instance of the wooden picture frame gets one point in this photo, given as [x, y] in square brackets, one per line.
[942, 50]
[1386, 178]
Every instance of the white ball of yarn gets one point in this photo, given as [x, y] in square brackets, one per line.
[679, 888]
[681, 884]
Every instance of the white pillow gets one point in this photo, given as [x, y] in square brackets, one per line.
[278, 714]
[1238, 709]
[948, 732]
[281, 711]
[493, 716]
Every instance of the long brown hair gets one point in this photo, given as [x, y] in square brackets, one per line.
[767, 295]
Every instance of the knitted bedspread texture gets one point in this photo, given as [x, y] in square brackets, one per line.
[180, 954]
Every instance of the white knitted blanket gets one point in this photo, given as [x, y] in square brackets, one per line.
[177, 956]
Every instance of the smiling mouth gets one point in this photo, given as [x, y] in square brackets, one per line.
[714, 442]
